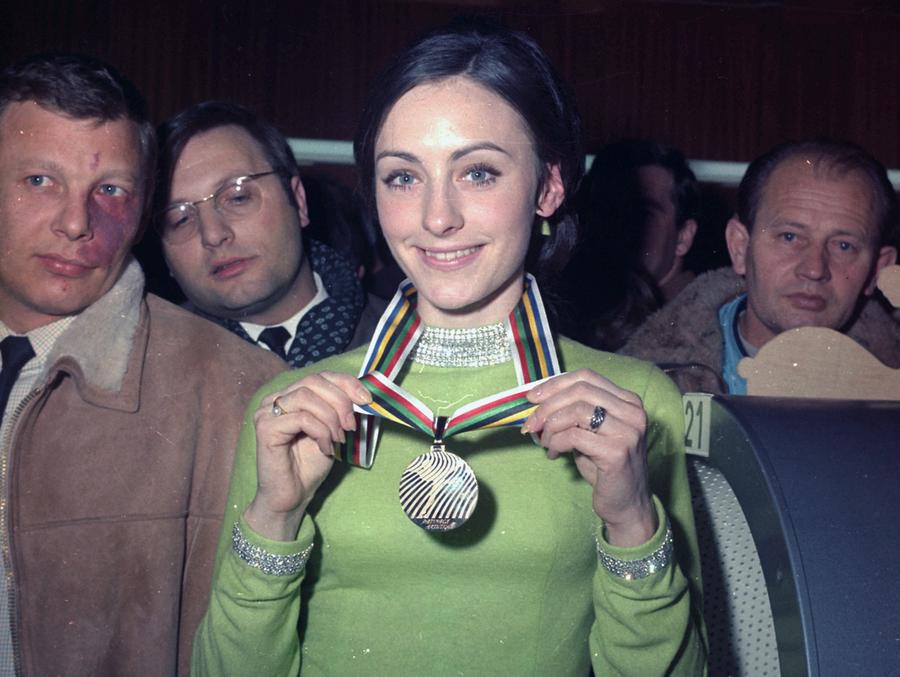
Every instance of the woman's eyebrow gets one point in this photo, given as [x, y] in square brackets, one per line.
[484, 145]
[402, 155]
[456, 155]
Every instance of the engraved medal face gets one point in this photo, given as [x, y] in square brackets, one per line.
[438, 490]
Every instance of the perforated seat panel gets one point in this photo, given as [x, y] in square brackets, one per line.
[736, 605]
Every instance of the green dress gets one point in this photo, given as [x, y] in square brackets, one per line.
[516, 591]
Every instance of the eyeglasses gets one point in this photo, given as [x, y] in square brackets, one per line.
[236, 200]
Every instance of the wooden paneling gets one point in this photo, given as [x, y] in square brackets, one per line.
[721, 80]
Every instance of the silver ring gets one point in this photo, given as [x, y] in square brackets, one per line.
[276, 408]
[597, 418]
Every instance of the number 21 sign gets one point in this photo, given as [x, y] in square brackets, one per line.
[696, 423]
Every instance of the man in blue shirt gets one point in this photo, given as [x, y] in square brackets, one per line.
[815, 223]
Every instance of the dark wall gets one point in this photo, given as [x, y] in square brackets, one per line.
[720, 80]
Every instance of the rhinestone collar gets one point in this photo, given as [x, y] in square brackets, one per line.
[469, 347]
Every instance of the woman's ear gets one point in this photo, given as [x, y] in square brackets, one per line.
[553, 192]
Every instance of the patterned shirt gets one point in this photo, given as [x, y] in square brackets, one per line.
[292, 323]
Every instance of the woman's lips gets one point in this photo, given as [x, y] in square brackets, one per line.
[450, 258]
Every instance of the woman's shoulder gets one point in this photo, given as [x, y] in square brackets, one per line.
[626, 372]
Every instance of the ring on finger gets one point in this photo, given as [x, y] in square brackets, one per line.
[597, 418]
[276, 408]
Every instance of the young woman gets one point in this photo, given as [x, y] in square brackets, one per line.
[580, 548]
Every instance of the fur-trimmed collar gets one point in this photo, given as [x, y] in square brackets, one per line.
[686, 330]
[99, 340]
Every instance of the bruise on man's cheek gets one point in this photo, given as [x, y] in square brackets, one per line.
[113, 225]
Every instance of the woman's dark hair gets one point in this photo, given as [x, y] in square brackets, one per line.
[176, 132]
[512, 66]
[82, 88]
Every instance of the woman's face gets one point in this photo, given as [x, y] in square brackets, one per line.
[456, 184]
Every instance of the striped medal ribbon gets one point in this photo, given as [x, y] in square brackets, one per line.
[438, 490]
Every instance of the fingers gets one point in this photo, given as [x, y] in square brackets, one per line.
[612, 457]
[568, 427]
[570, 399]
[328, 396]
[277, 432]
[565, 412]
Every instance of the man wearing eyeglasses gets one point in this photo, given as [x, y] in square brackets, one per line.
[119, 412]
[231, 210]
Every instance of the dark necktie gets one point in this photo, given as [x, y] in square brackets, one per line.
[275, 338]
[16, 351]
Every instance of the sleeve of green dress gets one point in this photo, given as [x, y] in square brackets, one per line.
[653, 625]
[250, 627]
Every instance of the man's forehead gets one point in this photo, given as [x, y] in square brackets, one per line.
[32, 110]
[807, 183]
[34, 123]
[225, 141]
[656, 180]
[216, 155]
[802, 171]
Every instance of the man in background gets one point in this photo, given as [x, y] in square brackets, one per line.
[120, 411]
[232, 210]
[671, 204]
[637, 212]
[816, 221]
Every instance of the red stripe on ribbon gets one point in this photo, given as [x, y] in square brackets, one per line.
[387, 389]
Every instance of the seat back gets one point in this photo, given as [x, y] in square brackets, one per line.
[735, 601]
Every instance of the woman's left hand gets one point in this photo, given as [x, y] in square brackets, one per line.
[612, 456]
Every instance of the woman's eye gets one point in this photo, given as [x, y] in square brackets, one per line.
[481, 174]
[400, 180]
[789, 237]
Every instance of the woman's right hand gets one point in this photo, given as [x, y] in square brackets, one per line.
[295, 450]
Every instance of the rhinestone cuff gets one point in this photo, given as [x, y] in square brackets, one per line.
[634, 569]
[267, 562]
[469, 347]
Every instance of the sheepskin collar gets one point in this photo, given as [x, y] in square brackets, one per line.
[96, 348]
[686, 330]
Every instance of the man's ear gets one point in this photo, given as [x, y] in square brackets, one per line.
[552, 192]
[737, 237]
[685, 239]
[300, 197]
[887, 256]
